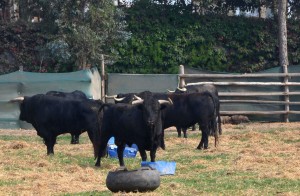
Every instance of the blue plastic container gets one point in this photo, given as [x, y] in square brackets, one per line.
[129, 152]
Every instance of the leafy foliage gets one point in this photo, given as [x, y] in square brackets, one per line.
[156, 37]
[165, 36]
[76, 33]
[19, 47]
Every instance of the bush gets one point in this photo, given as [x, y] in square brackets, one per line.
[165, 36]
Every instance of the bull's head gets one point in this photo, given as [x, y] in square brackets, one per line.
[151, 108]
[123, 98]
[21, 101]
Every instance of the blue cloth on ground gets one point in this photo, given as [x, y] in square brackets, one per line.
[129, 152]
[164, 167]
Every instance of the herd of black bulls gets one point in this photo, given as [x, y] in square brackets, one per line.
[134, 118]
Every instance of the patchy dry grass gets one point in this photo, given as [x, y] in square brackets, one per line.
[251, 159]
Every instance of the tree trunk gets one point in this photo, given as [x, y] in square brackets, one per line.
[283, 50]
[282, 36]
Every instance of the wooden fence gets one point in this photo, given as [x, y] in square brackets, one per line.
[250, 95]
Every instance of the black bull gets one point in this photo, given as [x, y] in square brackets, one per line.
[200, 88]
[138, 124]
[52, 116]
[187, 109]
[75, 95]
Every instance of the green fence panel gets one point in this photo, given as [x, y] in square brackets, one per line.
[131, 83]
[21, 83]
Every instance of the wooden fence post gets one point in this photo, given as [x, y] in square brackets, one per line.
[102, 79]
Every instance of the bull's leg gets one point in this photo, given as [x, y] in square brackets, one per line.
[184, 130]
[178, 131]
[194, 127]
[91, 134]
[153, 154]
[100, 149]
[205, 135]
[143, 153]
[204, 138]
[162, 140]
[200, 146]
[74, 138]
[50, 141]
[120, 151]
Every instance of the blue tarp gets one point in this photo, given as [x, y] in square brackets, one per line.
[164, 167]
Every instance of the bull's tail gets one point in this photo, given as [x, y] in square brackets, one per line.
[97, 135]
[102, 107]
[213, 123]
[219, 119]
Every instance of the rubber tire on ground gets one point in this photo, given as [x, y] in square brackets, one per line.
[141, 180]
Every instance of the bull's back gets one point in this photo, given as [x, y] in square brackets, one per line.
[188, 109]
[59, 114]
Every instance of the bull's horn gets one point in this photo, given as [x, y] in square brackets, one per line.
[137, 97]
[162, 101]
[18, 99]
[110, 96]
[139, 101]
[119, 99]
[170, 91]
[182, 89]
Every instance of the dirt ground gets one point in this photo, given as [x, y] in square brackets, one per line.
[270, 149]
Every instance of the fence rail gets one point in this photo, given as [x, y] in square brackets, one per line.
[249, 83]
[258, 75]
[235, 97]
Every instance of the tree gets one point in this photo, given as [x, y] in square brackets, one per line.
[79, 31]
[282, 36]
[89, 28]
[282, 39]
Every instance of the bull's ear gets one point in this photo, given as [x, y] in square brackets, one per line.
[163, 106]
[140, 106]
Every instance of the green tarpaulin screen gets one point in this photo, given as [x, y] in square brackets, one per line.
[22, 83]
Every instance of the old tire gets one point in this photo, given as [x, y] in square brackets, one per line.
[140, 180]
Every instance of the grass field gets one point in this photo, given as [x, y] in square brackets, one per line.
[251, 159]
